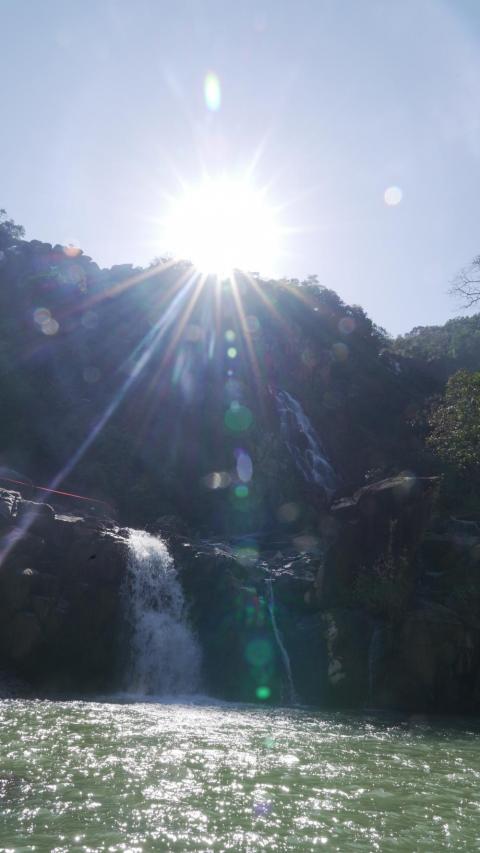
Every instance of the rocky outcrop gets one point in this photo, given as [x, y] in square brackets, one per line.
[384, 518]
[232, 602]
[227, 607]
[60, 577]
[378, 621]
[400, 602]
[387, 617]
[430, 663]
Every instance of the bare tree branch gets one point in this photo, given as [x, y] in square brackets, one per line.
[466, 285]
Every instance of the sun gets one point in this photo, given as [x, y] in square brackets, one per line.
[222, 225]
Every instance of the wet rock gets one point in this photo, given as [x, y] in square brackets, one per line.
[8, 507]
[347, 634]
[35, 518]
[21, 548]
[60, 612]
[16, 588]
[98, 558]
[432, 658]
[170, 525]
[383, 519]
[25, 634]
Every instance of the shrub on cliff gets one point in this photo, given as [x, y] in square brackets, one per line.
[455, 422]
[385, 588]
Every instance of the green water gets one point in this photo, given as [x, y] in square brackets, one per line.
[103, 776]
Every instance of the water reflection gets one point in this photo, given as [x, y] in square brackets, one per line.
[211, 776]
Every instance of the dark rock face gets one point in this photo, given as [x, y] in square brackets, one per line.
[365, 626]
[388, 617]
[370, 609]
[229, 613]
[60, 614]
[231, 606]
[401, 608]
[431, 661]
[387, 516]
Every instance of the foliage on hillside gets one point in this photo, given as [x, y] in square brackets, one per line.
[447, 348]
[455, 423]
[120, 383]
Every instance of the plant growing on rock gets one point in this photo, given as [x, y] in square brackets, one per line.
[385, 588]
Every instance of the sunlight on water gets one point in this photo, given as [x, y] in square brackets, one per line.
[147, 776]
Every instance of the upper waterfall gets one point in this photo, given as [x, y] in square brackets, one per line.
[165, 657]
[304, 444]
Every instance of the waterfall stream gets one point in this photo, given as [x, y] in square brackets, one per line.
[304, 444]
[165, 657]
[292, 696]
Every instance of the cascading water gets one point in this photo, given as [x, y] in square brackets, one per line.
[292, 696]
[304, 444]
[165, 657]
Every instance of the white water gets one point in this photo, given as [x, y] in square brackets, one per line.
[165, 657]
[304, 444]
[292, 696]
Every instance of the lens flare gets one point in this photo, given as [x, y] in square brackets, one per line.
[393, 196]
[238, 418]
[223, 225]
[212, 92]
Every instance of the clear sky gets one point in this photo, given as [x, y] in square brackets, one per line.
[103, 112]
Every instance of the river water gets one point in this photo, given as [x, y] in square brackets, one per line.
[140, 776]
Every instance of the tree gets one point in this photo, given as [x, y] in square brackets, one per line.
[455, 422]
[466, 286]
[10, 232]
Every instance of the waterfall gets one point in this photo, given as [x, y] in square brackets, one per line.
[292, 696]
[304, 444]
[165, 657]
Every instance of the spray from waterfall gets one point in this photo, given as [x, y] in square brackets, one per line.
[165, 657]
[304, 444]
[292, 696]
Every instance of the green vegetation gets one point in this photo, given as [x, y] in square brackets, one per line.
[455, 423]
[385, 588]
[137, 393]
[447, 348]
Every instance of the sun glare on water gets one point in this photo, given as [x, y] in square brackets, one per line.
[223, 225]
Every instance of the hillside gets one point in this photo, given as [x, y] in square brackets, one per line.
[444, 349]
[123, 384]
[296, 461]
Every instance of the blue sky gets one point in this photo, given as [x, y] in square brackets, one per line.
[103, 109]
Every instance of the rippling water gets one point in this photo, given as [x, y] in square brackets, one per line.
[180, 777]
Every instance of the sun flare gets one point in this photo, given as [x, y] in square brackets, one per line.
[223, 225]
